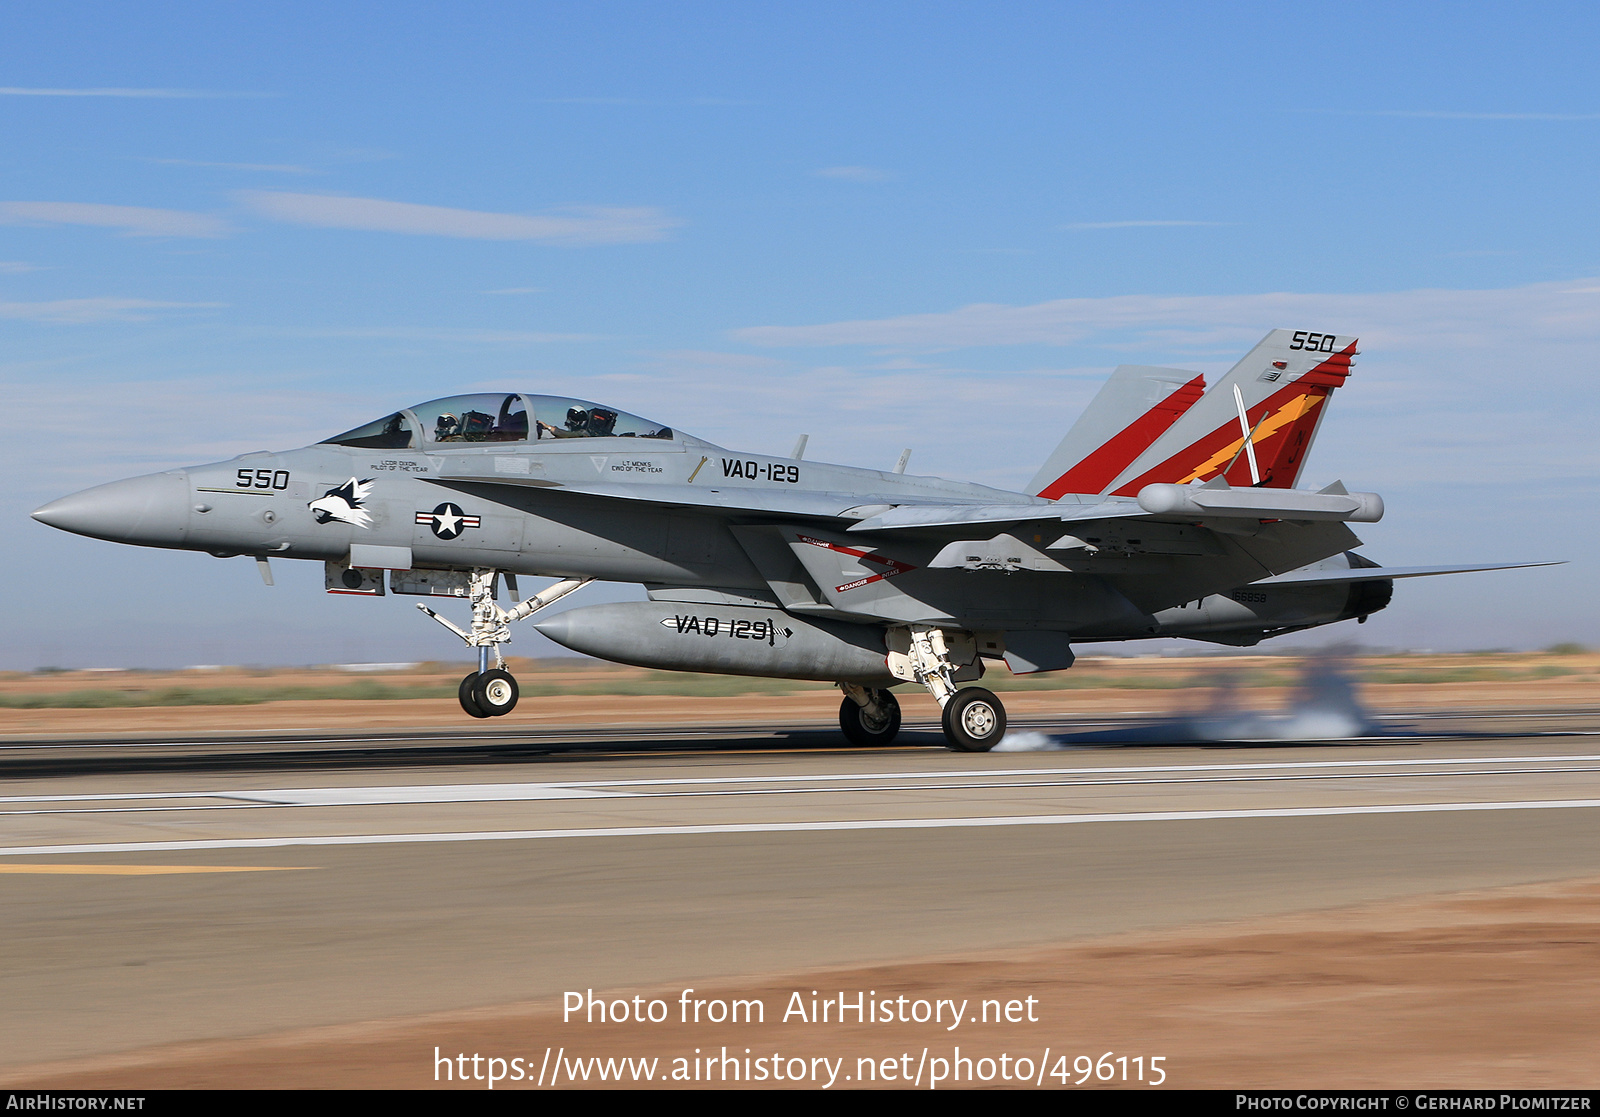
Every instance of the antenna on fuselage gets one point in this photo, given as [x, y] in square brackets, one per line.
[800, 447]
[905, 459]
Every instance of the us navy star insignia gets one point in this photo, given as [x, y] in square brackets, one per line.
[448, 520]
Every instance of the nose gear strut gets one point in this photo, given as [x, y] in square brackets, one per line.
[489, 693]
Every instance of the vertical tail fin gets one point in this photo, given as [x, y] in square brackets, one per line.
[1256, 425]
[1134, 408]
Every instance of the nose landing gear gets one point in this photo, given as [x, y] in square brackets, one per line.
[488, 693]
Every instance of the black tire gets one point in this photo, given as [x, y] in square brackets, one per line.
[860, 728]
[464, 692]
[495, 693]
[974, 720]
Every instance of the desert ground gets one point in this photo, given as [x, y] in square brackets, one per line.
[1346, 951]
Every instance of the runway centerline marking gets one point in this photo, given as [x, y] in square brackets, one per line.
[490, 793]
[146, 870]
[1097, 770]
[416, 793]
[792, 827]
[578, 789]
[345, 796]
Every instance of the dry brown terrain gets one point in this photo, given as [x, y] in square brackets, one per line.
[559, 692]
[1493, 988]
[1489, 989]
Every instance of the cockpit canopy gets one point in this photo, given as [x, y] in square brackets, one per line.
[496, 417]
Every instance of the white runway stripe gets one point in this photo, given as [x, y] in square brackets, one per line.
[789, 827]
[489, 793]
[445, 793]
[416, 793]
[387, 794]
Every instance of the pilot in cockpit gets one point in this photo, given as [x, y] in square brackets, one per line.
[576, 418]
[591, 422]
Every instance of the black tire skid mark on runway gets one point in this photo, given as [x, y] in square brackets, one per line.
[127, 758]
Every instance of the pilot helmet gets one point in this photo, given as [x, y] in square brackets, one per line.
[576, 418]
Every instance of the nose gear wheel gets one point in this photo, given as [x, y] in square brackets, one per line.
[495, 692]
[464, 693]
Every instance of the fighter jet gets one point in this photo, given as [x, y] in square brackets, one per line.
[1168, 510]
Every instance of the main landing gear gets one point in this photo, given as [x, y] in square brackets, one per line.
[870, 718]
[973, 718]
[490, 692]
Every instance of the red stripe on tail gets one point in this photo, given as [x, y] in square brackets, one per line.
[1100, 468]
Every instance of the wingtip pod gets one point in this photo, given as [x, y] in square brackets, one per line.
[1225, 502]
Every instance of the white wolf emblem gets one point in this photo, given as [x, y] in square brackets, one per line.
[344, 504]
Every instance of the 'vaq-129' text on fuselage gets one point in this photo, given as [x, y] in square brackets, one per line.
[1167, 510]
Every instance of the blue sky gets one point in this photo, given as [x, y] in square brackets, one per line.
[932, 225]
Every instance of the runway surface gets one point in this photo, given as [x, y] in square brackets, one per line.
[170, 890]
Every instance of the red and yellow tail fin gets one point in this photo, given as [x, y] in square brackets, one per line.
[1257, 424]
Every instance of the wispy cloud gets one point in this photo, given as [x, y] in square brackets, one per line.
[854, 174]
[274, 168]
[1435, 114]
[77, 312]
[135, 221]
[1137, 224]
[1552, 311]
[156, 94]
[579, 225]
[447, 334]
[517, 291]
[16, 267]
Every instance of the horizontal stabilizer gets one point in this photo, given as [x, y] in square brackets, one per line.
[1383, 573]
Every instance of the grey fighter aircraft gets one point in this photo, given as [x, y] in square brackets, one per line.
[1167, 510]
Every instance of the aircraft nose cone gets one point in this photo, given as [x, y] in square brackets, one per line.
[151, 510]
